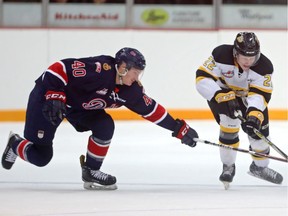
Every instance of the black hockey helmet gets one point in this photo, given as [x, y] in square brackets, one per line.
[247, 44]
[132, 57]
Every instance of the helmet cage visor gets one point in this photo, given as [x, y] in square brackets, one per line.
[257, 57]
[131, 64]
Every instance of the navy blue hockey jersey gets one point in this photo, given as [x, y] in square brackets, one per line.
[90, 84]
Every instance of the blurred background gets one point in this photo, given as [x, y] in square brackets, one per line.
[175, 36]
[156, 175]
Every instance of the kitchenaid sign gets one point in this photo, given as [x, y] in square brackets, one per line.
[87, 15]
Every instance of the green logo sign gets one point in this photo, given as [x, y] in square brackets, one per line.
[155, 16]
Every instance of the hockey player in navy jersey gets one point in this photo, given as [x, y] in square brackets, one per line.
[239, 77]
[80, 90]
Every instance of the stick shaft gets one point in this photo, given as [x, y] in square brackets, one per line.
[265, 139]
[259, 134]
[241, 150]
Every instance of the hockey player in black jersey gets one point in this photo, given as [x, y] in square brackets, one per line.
[80, 89]
[238, 77]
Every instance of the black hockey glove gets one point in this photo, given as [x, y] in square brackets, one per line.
[54, 108]
[254, 120]
[227, 102]
[184, 132]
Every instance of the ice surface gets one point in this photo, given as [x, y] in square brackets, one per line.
[156, 176]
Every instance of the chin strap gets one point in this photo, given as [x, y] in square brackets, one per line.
[120, 75]
[120, 80]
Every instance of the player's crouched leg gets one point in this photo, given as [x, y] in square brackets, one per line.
[229, 135]
[40, 155]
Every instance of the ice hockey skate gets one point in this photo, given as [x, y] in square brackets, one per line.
[9, 157]
[227, 175]
[95, 179]
[265, 173]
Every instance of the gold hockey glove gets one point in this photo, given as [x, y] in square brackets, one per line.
[227, 102]
[254, 119]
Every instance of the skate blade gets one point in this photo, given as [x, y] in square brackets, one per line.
[259, 177]
[95, 186]
[226, 185]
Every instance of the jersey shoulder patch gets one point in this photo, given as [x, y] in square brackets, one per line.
[264, 66]
[223, 54]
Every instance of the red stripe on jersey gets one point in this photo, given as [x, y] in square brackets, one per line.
[98, 150]
[22, 148]
[58, 68]
[156, 114]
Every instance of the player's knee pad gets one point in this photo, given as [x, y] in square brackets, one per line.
[260, 161]
[41, 155]
[258, 145]
[264, 151]
[104, 129]
[229, 131]
[229, 138]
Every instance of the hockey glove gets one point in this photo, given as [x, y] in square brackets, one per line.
[184, 132]
[227, 102]
[254, 120]
[54, 108]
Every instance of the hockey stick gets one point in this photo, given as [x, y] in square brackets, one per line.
[257, 154]
[261, 136]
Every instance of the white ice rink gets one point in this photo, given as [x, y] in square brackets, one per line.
[156, 176]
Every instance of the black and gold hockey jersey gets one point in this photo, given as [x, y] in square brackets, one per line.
[221, 70]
